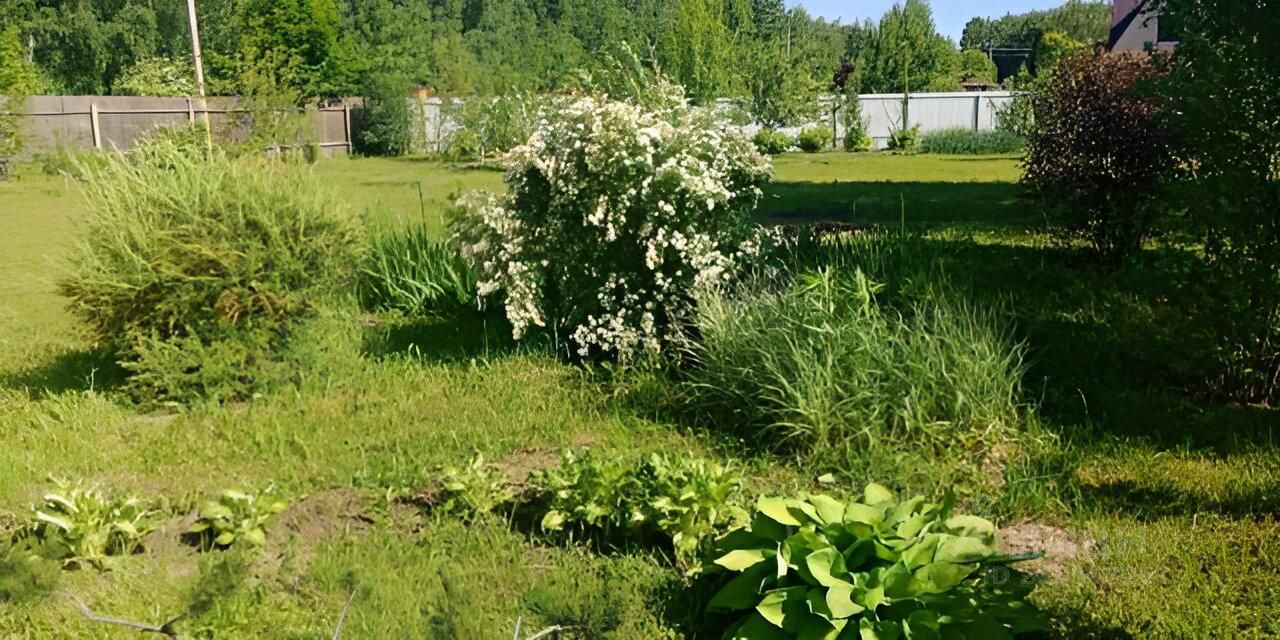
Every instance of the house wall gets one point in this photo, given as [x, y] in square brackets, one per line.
[1141, 32]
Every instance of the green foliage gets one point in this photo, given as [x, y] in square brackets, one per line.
[236, 518]
[157, 77]
[969, 142]
[771, 142]
[824, 366]
[905, 140]
[384, 127]
[782, 93]
[817, 567]
[1220, 104]
[1082, 20]
[81, 526]
[188, 251]
[815, 139]
[474, 490]
[976, 65]
[492, 126]
[410, 269]
[610, 599]
[906, 45]
[855, 137]
[697, 47]
[686, 501]
[1052, 48]
[1098, 154]
[300, 36]
[18, 79]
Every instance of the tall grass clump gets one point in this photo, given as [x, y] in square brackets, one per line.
[195, 267]
[962, 141]
[408, 269]
[833, 365]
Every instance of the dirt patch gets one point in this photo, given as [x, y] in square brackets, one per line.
[1060, 547]
[520, 465]
[292, 536]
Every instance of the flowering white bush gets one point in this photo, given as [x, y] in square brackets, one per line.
[614, 218]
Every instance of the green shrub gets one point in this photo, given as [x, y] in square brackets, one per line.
[488, 126]
[236, 518]
[879, 568]
[1097, 156]
[815, 139]
[963, 141]
[857, 140]
[1221, 106]
[384, 126]
[855, 136]
[905, 140]
[187, 251]
[823, 366]
[410, 270]
[772, 142]
[81, 526]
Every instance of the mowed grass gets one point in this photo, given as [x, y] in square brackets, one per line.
[1172, 500]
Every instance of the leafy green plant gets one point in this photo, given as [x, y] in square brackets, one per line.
[772, 142]
[236, 517]
[970, 142]
[815, 139]
[905, 140]
[473, 490]
[410, 270]
[385, 124]
[25, 571]
[879, 568]
[80, 526]
[685, 501]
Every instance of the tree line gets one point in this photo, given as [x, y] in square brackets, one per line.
[321, 48]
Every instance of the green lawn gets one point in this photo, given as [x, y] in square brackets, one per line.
[1159, 510]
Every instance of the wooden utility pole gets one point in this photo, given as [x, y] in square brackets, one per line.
[198, 59]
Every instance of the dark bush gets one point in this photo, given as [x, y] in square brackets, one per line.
[1222, 88]
[384, 127]
[1097, 154]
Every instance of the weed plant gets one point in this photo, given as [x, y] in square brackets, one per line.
[412, 270]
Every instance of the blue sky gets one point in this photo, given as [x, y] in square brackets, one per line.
[951, 15]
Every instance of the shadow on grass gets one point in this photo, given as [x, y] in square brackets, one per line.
[883, 202]
[79, 370]
[453, 336]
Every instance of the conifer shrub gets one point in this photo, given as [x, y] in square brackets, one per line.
[195, 267]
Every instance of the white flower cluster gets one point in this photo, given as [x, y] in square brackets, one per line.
[614, 219]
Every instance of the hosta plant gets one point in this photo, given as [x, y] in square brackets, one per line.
[82, 526]
[236, 517]
[874, 569]
[684, 501]
[473, 490]
[614, 219]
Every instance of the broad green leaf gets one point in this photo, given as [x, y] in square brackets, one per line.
[871, 598]
[922, 625]
[216, 511]
[921, 553]
[885, 630]
[912, 526]
[776, 509]
[840, 601]
[904, 510]
[755, 627]
[962, 550]
[225, 538]
[864, 514]
[553, 521]
[765, 527]
[829, 509]
[255, 537]
[804, 507]
[940, 577]
[826, 566]
[813, 627]
[876, 494]
[817, 599]
[62, 504]
[60, 523]
[742, 592]
[972, 526]
[859, 553]
[780, 604]
[742, 559]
